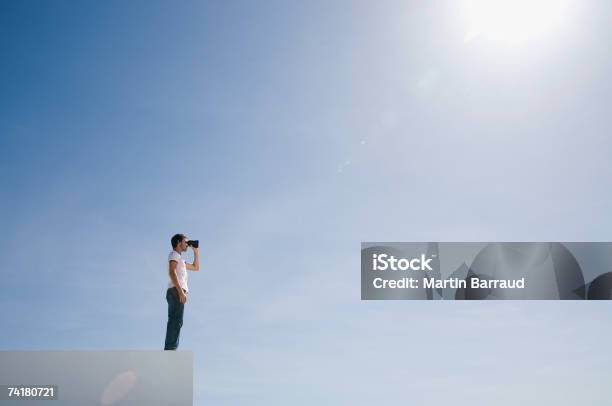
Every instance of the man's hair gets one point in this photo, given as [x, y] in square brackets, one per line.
[176, 239]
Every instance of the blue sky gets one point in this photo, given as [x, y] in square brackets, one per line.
[282, 134]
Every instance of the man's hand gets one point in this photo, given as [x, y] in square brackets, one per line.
[182, 297]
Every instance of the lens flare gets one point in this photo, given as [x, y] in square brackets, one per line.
[513, 21]
[118, 388]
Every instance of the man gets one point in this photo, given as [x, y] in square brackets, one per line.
[177, 292]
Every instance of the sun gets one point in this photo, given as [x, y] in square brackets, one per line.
[513, 21]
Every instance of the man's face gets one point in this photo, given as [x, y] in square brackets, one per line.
[182, 246]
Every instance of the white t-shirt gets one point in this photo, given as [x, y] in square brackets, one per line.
[181, 270]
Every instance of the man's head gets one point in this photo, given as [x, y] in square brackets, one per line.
[179, 242]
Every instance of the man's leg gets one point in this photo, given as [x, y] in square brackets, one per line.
[175, 319]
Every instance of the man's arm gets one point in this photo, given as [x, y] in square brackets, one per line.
[196, 260]
[172, 272]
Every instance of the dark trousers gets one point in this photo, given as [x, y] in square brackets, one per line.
[175, 319]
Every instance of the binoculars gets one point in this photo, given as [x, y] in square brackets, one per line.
[193, 243]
